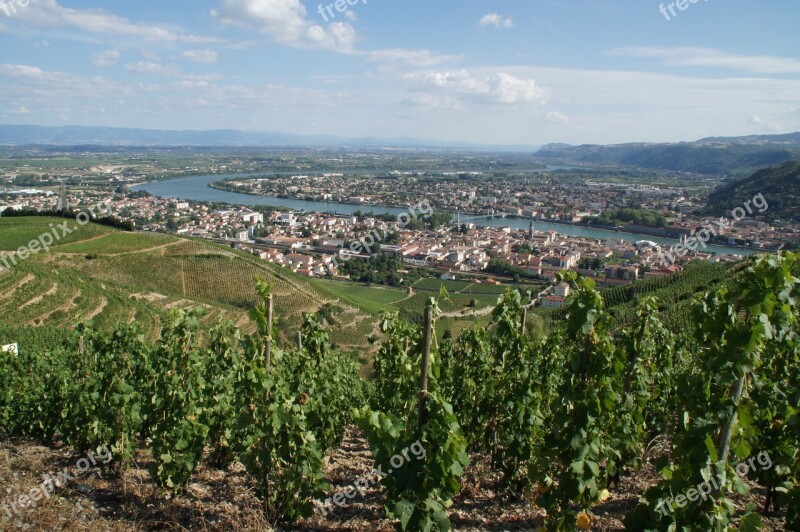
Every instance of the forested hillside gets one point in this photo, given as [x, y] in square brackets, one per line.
[780, 186]
[701, 158]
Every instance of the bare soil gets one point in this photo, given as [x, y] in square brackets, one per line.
[224, 500]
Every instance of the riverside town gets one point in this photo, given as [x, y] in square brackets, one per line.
[422, 266]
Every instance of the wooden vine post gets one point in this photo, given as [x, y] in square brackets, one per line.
[524, 319]
[268, 353]
[426, 362]
[269, 333]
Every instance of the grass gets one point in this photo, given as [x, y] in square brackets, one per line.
[484, 289]
[122, 277]
[371, 299]
[118, 277]
[19, 232]
[457, 326]
[433, 285]
[118, 242]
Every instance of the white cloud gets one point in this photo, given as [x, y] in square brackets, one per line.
[201, 56]
[57, 98]
[148, 67]
[429, 101]
[556, 117]
[48, 95]
[415, 58]
[286, 22]
[765, 127]
[106, 59]
[48, 14]
[500, 88]
[496, 20]
[155, 68]
[708, 57]
[612, 103]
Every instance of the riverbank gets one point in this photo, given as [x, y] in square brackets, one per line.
[215, 185]
[644, 236]
[197, 189]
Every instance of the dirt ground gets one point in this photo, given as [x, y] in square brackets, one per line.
[224, 500]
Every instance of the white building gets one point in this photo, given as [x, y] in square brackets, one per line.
[562, 290]
[253, 217]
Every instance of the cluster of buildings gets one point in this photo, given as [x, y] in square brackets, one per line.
[316, 244]
[540, 198]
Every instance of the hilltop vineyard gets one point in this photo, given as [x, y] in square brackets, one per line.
[561, 416]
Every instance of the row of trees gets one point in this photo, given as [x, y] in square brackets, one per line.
[643, 217]
[109, 221]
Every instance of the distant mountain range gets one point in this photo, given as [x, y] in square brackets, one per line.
[789, 139]
[16, 135]
[712, 156]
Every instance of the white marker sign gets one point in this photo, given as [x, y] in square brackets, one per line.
[11, 348]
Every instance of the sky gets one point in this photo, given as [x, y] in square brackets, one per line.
[505, 72]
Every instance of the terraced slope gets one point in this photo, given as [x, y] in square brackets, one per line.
[109, 276]
[113, 277]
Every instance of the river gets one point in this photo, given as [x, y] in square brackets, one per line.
[196, 188]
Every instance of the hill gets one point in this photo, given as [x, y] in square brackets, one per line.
[110, 276]
[21, 135]
[702, 157]
[780, 186]
[789, 139]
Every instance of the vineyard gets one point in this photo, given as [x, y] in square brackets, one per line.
[18, 232]
[557, 421]
[110, 276]
[674, 294]
[117, 243]
[115, 277]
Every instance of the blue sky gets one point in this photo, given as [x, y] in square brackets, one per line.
[479, 71]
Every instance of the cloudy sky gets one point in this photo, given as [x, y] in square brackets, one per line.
[481, 71]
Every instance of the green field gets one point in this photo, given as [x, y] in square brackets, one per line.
[112, 277]
[118, 242]
[115, 277]
[376, 299]
[434, 285]
[371, 299]
[456, 326]
[18, 232]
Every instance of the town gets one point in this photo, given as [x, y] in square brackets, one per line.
[457, 246]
